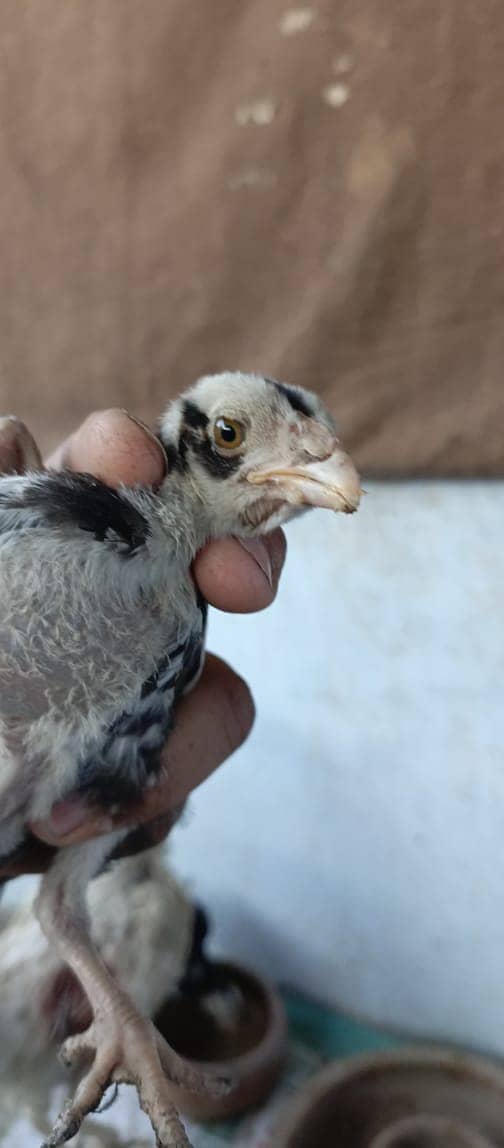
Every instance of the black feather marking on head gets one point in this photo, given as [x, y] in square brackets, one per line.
[218, 465]
[84, 502]
[294, 398]
[182, 452]
[194, 437]
[171, 453]
[175, 457]
[193, 420]
[194, 417]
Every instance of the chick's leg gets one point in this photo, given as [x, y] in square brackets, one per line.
[124, 1046]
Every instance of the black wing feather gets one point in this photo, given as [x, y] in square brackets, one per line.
[78, 500]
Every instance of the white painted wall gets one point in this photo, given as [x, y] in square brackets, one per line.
[355, 846]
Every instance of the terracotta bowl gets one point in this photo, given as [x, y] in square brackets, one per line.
[411, 1098]
[251, 1051]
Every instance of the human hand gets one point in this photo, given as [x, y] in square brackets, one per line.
[213, 719]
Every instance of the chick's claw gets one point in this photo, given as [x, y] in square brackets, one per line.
[134, 1053]
[66, 1126]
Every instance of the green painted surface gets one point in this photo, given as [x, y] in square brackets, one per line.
[331, 1034]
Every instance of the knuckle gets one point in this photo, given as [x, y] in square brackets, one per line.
[238, 713]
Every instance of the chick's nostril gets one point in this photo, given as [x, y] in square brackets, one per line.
[315, 439]
[326, 452]
[317, 450]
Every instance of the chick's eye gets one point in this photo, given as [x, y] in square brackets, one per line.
[228, 433]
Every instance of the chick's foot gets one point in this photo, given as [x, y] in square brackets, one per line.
[130, 1051]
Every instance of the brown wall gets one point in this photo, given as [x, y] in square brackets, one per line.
[188, 185]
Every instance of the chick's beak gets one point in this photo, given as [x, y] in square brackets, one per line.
[329, 480]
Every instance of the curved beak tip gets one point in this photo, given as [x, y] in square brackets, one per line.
[331, 483]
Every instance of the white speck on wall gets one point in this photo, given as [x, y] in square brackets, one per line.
[253, 177]
[296, 20]
[259, 112]
[336, 95]
[343, 64]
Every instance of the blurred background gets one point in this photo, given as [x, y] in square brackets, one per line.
[316, 193]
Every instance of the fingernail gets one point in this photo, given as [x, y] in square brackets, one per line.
[19, 451]
[66, 816]
[260, 553]
[148, 431]
[278, 550]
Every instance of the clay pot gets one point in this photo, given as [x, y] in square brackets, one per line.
[249, 1046]
[412, 1098]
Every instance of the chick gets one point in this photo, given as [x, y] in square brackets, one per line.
[101, 631]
